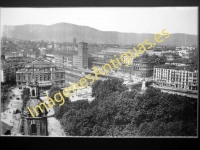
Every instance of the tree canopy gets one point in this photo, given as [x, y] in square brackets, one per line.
[119, 112]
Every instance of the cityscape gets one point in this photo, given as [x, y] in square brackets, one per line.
[153, 94]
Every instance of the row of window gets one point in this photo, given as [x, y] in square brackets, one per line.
[46, 69]
[41, 77]
[175, 75]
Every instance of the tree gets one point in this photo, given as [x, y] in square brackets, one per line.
[119, 112]
[59, 110]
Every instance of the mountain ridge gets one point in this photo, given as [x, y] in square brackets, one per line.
[65, 32]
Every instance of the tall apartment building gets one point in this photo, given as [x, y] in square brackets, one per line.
[81, 60]
[183, 77]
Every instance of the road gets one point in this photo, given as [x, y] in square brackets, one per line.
[7, 116]
[54, 126]
[178, 93]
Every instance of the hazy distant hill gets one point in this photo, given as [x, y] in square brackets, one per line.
[65, 32]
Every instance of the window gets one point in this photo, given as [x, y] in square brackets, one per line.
[36, 77]
[33, 129]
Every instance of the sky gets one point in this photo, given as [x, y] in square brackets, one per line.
[121, 19]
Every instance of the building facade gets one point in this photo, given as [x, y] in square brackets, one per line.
[81, 60]
[42, 70]
[5, 72]
[143, 66]
[50, 57]
[171, 56]
[183, 77]
[37, 125]
[61, 60]
[179, 62]
[17, 63]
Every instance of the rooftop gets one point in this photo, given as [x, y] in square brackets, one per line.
[172, 54]
[181, 60]
[186, 68]
[165, 66]
[40, 62]
[105, 54]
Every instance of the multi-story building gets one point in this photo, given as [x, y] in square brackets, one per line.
[179, 62]
[143, 66]
[17, 63]
[73, 75]
[22, 53]
[42, 70]
[59, 60]
[157, 52]
[178, 48]
[183, 77]
[5, 74]
[56, 46]
[64, 59]
[50, 46]
[50, 57]
[81, 60]
[19, 60]
[171, 56]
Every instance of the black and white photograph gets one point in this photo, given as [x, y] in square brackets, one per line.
[99, 72]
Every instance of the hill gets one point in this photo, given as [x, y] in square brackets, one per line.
[65, 32]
